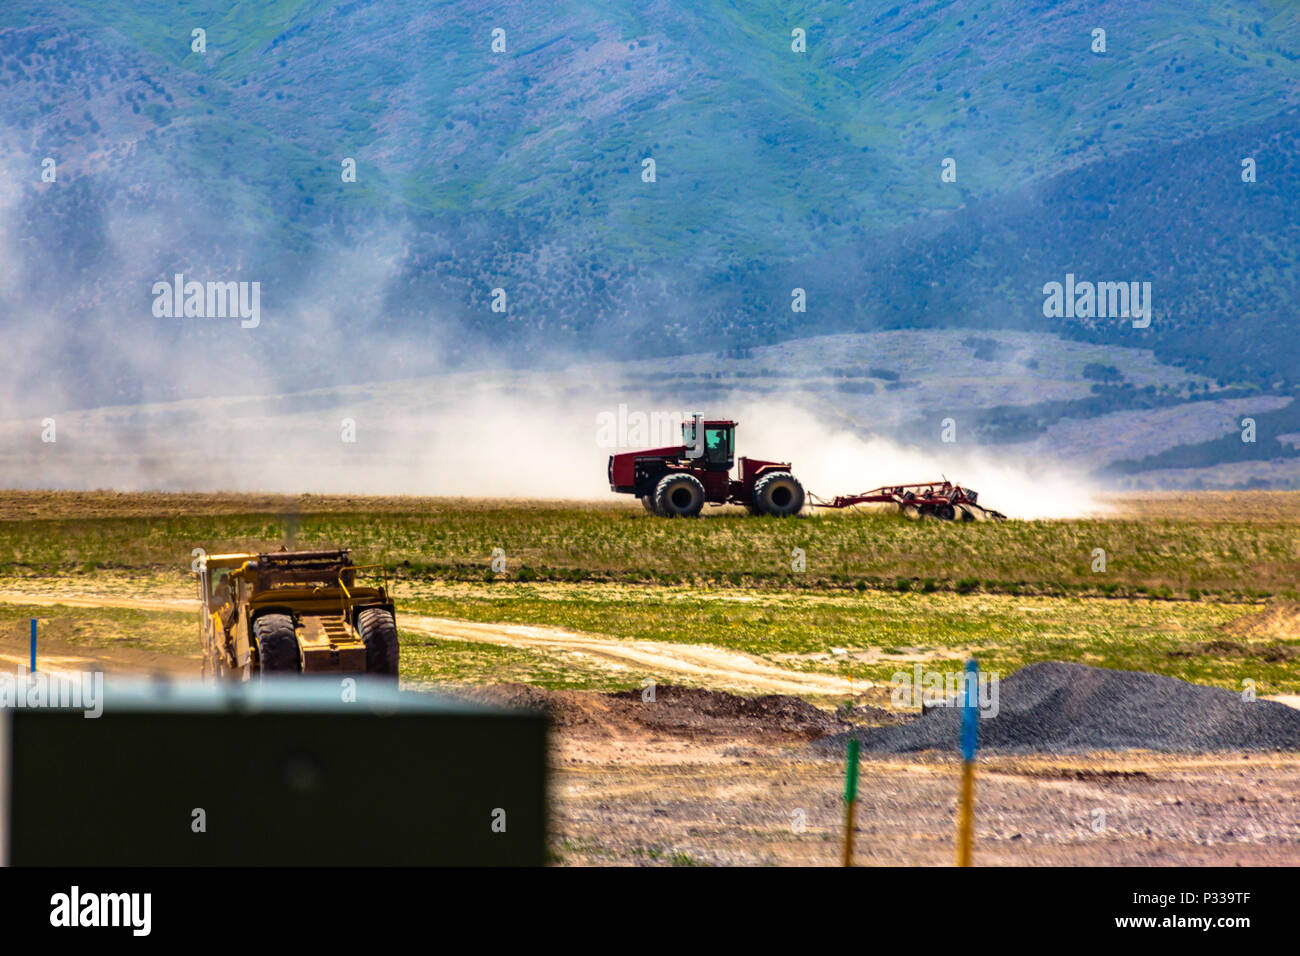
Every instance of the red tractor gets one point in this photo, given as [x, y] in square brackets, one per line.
[677, 481]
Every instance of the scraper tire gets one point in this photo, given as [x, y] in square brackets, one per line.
[379, 634]
[277, 644]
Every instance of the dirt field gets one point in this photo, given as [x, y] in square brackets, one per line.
[743, 810]
[694, 778]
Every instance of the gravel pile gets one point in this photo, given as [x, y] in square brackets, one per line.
[1057, 707]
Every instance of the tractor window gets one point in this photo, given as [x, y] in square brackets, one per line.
[717, 444]
[219, 586]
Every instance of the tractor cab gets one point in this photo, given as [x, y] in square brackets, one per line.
[679, 480]
[716, 448]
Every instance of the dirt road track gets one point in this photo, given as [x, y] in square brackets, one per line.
[49, 599]
[717, 668]
[662, 661]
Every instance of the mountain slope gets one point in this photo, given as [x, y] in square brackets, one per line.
[522, 171]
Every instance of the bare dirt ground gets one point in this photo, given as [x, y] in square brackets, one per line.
[696, 777]
[1109, 810]
[53, 596]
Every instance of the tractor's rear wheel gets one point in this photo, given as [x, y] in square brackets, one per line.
[679, 496]
[778, 493]
[379, 634]
[277, 644]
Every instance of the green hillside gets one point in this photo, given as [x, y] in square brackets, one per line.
[774, 169]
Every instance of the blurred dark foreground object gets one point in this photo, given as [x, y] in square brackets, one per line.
[313, 772]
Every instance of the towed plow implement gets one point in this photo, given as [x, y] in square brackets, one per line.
[924, 499]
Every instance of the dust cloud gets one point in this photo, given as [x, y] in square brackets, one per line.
[832, 461]
[300, 404]
[478, 434]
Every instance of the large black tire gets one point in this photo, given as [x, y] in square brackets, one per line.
[277, 644]
[679, 496]
[379, 633]
[778, 493]
[648, 503]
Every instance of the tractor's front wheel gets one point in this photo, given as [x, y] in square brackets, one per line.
[648, 503]
[379, 634]
[277, 644]
[679, 496]
[778, 493]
